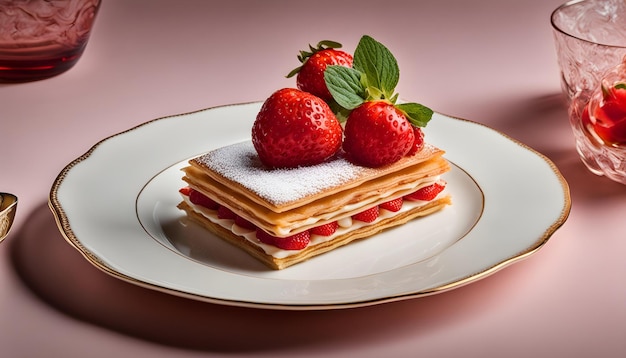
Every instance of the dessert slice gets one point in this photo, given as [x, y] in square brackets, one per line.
[305, 185]
[286, 216]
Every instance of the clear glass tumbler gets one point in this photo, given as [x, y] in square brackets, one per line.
[590, 39]
[43, 38]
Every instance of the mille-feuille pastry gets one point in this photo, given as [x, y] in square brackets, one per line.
[266, 212]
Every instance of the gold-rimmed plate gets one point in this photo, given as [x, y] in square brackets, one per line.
[116, 205]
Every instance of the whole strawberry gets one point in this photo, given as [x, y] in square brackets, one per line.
[377, 134]
[418, 144]
[378, 130]
[314, 62]
[295, 128]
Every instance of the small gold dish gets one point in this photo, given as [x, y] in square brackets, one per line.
[8, 207]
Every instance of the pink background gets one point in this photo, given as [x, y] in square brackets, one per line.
[490, 61]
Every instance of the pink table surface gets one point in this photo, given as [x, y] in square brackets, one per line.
[490, 61]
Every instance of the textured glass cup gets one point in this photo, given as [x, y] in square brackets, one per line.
[43, 38]
[590, 39]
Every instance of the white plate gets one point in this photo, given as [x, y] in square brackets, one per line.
[116, 205]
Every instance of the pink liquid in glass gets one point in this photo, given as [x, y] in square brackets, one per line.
[41, 39]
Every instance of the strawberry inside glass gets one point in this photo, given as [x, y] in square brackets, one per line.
[605, 114]
[610, 115]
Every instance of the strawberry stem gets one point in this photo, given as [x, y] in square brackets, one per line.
[304, 55]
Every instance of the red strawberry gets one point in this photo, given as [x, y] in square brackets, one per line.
[427, 193]
[377, 134]
[610, 115]
[198, 198]
[368, 215]
[294, 242]
[185, 191]
[392, 205]
[264, 237]
[241, 222]
[326, 229]
[295, 128]
[225, 213]
[418, 143]
[311, 74]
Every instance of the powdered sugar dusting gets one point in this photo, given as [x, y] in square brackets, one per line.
[240, 163]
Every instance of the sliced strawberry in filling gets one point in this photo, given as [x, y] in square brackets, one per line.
[427, 193]
[294, 242]
[198, 198]
[368, 215]
[264, 237]
[241, 222]
[301, 240]
[392, 205]
[326, 229]
[225, 213]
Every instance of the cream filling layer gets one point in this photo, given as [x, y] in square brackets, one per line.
[351, 209]
[346, 225]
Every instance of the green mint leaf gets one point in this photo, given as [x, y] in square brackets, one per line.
[378, 64]
[416, 113]
[345, 86]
